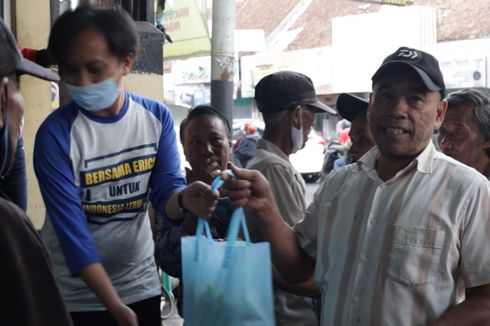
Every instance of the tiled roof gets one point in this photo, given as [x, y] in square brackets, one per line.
[456, 19]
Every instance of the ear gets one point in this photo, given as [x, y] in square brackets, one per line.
[440, 113]
[486, 144]
[294, 116]
[127, 63]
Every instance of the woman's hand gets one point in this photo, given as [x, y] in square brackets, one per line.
[124, 316]
[199, 200]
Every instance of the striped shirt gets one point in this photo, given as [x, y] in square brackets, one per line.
[399, 252]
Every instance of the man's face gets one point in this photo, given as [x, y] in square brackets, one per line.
[460, 138]
[13, 101]
[207, 146]
[403, 114]
[360, 136]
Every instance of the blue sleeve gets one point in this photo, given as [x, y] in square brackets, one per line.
[166, 177]
[52, 165]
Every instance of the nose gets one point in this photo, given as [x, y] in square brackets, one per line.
[84, 78]
[399, 108]
[208, 148]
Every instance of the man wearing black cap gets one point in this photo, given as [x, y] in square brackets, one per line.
[288, 103]
[28, 292]
[401, 237]
[354, 109]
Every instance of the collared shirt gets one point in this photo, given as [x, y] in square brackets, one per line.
[286, 183]
[288, 188]
[399, 252]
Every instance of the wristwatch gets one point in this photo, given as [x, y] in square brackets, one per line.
[180, 201]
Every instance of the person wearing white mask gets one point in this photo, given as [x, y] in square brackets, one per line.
[288, 103]
[100, 159]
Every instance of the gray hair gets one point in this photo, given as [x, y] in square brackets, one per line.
[479, 99]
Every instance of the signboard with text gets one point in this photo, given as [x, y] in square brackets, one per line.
[186, 26]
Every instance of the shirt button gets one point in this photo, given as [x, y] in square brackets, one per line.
[364, 259]
[355, 299]
[373, 221]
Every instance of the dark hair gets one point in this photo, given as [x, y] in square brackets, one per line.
[199, 111]
[116, 25]
[479, 99]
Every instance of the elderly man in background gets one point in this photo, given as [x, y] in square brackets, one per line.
[465, 132]
[354, 109]
[288, 103]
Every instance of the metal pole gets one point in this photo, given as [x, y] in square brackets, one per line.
[222, 57]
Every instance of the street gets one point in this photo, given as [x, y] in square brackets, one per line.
[310, 190]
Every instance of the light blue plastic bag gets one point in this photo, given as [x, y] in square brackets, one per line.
[226, 283]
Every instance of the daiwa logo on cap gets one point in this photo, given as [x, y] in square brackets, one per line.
[423, 63]
[408, 53]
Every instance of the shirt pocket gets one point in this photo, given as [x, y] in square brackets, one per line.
[413, 255]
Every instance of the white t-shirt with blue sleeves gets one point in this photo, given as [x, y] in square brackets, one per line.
[97, 175]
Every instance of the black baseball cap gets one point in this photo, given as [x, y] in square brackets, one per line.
[349, 106]
[12, 60]
[425, 64]
[284, 89]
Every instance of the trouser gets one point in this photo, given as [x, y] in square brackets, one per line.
[148, 312]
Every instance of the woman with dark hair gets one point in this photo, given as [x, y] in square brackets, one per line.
[100, 159]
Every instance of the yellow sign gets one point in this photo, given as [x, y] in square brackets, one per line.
[389, 2]
[187, 28]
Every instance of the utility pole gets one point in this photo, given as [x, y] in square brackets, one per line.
[223, 63]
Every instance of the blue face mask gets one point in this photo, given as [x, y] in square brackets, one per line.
[95, 97]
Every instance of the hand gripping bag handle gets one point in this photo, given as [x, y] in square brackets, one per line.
[202, 223]
[237, 220]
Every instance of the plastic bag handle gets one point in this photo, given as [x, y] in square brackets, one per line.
[202, 223]
[237, 220]
[238, 216]
[203, 227]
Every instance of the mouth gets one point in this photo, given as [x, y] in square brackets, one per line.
[394, 131]
[213, 165]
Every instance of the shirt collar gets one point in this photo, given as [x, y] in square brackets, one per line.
[423, 162]
[271, 147]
